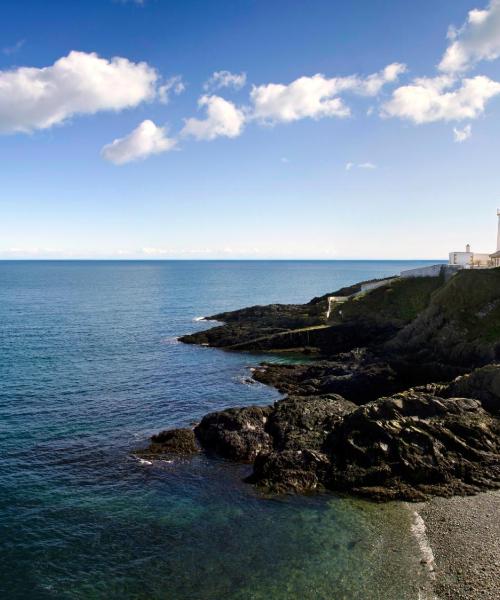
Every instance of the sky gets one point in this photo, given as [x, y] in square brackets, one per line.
[242, 129]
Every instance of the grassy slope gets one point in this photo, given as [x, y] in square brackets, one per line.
[400, 301]
[472, 300]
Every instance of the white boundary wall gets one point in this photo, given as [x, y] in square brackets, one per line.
[430, 271]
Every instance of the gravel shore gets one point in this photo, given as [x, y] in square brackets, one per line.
[464, 535]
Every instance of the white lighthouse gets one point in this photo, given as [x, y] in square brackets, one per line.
[498, 234]
[495, 258]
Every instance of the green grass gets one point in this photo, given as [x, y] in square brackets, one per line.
[472, 300]
[399, 301]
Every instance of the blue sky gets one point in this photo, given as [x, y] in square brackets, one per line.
[359, 162]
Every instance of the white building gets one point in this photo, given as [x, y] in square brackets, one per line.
[477, 260]
[460, 260]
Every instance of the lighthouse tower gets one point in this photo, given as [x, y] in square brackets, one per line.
[498, 234]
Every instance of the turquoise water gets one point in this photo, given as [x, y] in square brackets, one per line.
[90, 368]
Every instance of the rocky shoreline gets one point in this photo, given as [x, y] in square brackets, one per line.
[399, 397]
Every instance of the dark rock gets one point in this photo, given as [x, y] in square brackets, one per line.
[171, 441]
[482, 384]
[299, 423]
[236, 433]
[413, 445]
[290, 471]
[356, 376]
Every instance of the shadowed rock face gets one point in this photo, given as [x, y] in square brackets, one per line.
[482, 384]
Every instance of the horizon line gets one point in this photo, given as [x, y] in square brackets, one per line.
[439, 260]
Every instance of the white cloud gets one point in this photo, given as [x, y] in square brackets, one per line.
[80, 83]
[461, 135]
[373, 84]
[441, 99]
[366, 165]
[317, 96]
[223, 119]
[143, 141]
[478, 39]
[305, 97]
[173, 85]
[8, 50]
[225, 79]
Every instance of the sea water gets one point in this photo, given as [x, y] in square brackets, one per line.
[90, 367]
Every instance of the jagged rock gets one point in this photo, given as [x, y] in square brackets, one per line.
[172, 441]
[236, 433]
[482, 384]
[413, 445]
[356, 379]
[300, 423]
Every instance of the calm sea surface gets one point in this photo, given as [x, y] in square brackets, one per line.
[89, 369]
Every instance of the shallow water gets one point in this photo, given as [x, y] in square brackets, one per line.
[90, 368]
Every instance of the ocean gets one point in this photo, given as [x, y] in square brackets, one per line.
[90, 367]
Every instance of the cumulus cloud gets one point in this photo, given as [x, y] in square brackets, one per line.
[478, 39]
[441, 99]
[317, 96]
[143, 141]
[79, 83]
[225, 79]
[461, 135]
[223, 119]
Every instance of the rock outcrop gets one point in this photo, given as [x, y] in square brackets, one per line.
[236, 433]
[171, 441]
[482, 384]
[381, 413]
[413, 445]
